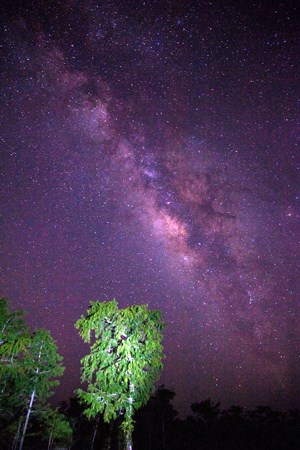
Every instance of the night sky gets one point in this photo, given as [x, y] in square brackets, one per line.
[149, 153]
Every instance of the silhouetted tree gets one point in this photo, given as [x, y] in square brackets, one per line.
[155, 421]
[82, 427]
[206, 412]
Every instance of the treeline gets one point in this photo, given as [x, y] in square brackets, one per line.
[116, 410]
[209, 427]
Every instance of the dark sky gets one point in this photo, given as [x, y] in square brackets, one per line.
[149, 153]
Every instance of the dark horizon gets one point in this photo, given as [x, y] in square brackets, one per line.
[149, 154]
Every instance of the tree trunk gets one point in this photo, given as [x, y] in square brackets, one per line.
[50, 440]
[163, 432]
[130, 411]
[129, 441]
[94, 434]
[27, 419]
[149, 437]
[16, 438]
[107, 440]
[30, 403]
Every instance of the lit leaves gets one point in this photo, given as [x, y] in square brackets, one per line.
[124, 360]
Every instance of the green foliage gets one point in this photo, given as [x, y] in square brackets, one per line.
[14, 338]
[13, 332]
[125, 359]
[41, 363]
[29, 365]
[56, 427]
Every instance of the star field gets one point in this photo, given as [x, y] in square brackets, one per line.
[149, 153]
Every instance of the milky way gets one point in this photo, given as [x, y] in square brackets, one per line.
[150, 154]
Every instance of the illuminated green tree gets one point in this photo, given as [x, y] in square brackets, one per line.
[124, 362]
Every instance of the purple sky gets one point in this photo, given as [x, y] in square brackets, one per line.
[149, 153]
